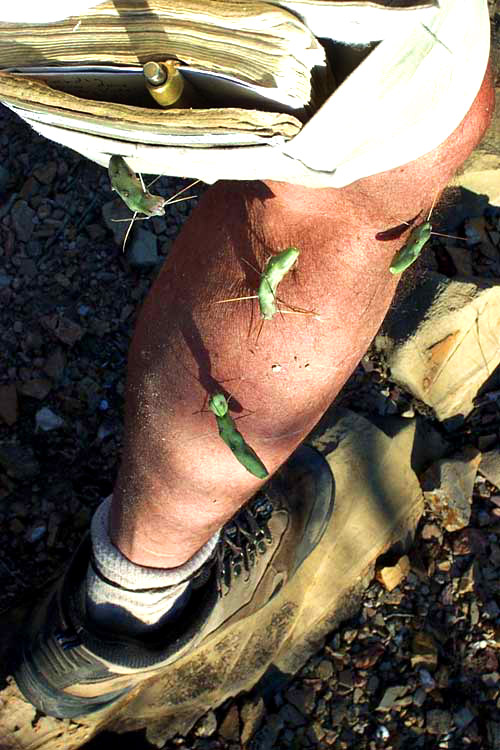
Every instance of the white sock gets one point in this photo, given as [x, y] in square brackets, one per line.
[148, 597]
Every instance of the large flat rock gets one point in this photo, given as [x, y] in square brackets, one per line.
[443, 342]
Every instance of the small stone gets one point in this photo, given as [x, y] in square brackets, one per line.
[490, 466]
[252, 713]
[492, 609]
[382, 733]
[491, 680]
[28, 268]
[5, 280]
[47, 420]
[55, 364]
[230, 726]
[291, 716]
[265, 739]
[19, 462]
[8, 404]
[369, 657]
[391, 576]
[206, 726]
[46, 173]
[62, 280]
[474, 613]
[493, 729]
[424, 651]
[126, 312]
[95, 232]
[16, 526]
[448, 485]
[29, 188]
[346, 679]
[358, 695]
[431, 531]
[6, 486]
[473, 232]
[63, 328]
[36, 532]
[113, 212]
[22, 220]
[467, 581]
[303, 698]
[427, 682]
[37, 388]
[469, 541]
[390, 697]
[325, 670]
[142, 250]
[485, 442]
[338, 712]
[419, 697]
[438, 722]
[4, 178]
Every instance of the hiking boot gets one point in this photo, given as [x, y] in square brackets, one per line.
[68, 666]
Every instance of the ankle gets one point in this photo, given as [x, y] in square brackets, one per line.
[130, 598]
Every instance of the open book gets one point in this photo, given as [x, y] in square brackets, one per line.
[415, 69]
[251, 54]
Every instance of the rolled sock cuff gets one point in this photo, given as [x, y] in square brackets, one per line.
[118, 570]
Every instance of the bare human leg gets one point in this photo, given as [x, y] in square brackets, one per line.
[178, 483]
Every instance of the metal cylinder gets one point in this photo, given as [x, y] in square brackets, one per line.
[167, 85]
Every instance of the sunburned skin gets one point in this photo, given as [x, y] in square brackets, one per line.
[160, 515]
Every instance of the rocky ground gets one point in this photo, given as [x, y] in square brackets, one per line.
[418, 666]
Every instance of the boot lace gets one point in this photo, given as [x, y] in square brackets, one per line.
[242, 539]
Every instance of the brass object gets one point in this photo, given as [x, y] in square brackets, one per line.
[167, 85]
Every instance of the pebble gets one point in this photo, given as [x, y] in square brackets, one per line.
[424, 651]
[252, 712]
[448, 485]
[142, 249]
[490, 466]
[47, 420]
[22, 220]
[18, 461]
[369, 657]
[426, 680]
[4, 178]
[8, 404]
[390, 697]
[38, 388]
[54, 364]
[46, 173]
[431, 531]
[230, 725]
[265, 739]
[63, 328]
[206, 726]
[325, 669]
[438, 722]
[291, 715]
[36, 532]
[391, 576]
[303, 698]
